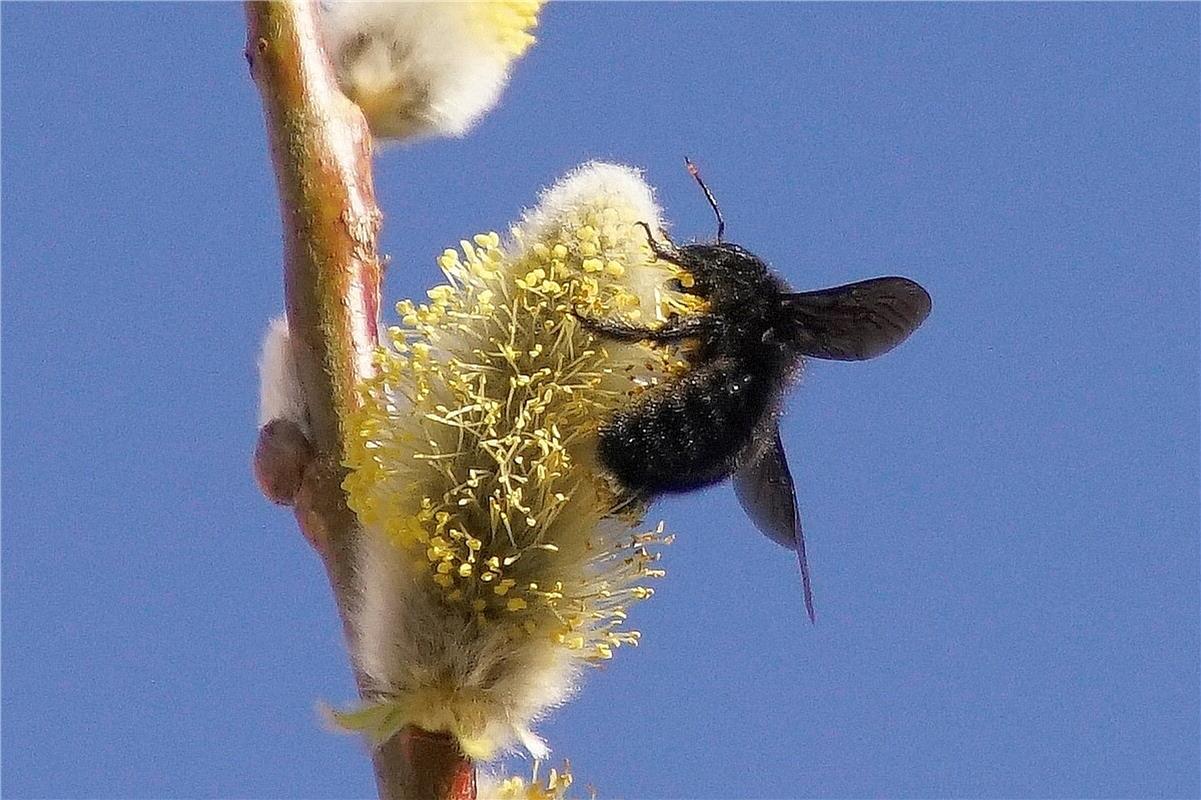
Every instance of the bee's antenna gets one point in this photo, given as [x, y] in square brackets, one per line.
[696, 173]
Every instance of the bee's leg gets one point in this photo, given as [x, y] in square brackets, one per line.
[670, 254]
[674, 255]
[671, 331]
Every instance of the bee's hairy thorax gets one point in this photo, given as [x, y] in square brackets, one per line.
[694, 431]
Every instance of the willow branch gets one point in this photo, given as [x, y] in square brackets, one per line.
[321, 149]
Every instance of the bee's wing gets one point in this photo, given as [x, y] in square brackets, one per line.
[859, 320]
[765, 490]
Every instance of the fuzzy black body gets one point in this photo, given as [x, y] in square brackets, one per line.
[719, 419]
[697, 431]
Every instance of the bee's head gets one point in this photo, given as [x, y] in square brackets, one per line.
[712, 265]
[723, 252]
[722, 270]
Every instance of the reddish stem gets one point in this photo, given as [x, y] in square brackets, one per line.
[321, 149]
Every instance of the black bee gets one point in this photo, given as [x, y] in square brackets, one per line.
[719, 418]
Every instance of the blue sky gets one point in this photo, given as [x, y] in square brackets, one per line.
[1002, 515]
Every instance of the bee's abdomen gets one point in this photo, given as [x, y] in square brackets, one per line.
[688, 434]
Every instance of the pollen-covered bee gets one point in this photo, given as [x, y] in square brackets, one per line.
[720, 417]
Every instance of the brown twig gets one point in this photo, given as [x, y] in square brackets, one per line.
[321, 149]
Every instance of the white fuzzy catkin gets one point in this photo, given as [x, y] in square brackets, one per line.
[406, 642]
[422, 68]
[492, 567]
[280, 393]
